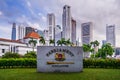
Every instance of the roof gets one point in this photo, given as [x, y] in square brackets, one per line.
[33, 35]
[8, 40]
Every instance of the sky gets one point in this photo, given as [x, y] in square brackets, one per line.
[34, 13]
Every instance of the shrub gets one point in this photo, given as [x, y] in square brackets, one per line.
[101, 63]
[11, 55]
[30, 54]
[17, 63]
[31, 62]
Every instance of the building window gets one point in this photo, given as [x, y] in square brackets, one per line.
[3, 50]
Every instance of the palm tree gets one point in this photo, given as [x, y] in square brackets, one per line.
[51, 41]
[63, 41]
[42, 40]
[59, 42]
[32, 43]
[95, 45]
[67, 42]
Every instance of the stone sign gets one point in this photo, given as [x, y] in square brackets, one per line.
[59, 59]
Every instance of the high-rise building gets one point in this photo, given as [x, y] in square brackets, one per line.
[66, 23]
[51, 25]
[46, 36]
[21, 32]
[58, 33]
[103, 42]
[73, 22]
[40, 32]
[13, 37]
[29, 30]
[110, 34]
[86, 32]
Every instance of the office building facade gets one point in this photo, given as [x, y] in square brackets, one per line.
[110, 34]
[86, 32]
[29, 30]
[21, 32]
[58, 33]
[73, 35]
[51, 25]
[66, 23]
[46, 37]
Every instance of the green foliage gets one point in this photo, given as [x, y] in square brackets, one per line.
[95, 43]
[61, 42]
[68, 43]
[11, 55]
[31, 62]
[33, 43]
[105, 51]
[101, 63]
[30, 54]
[42, 40]
[17, 63]
[64, 42]
[86, 47]
[51, 41]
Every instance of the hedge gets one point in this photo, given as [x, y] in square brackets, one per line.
[18, 63]
[101, 63]
[31, 63]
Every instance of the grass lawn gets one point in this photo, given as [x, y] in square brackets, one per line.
[87, 74]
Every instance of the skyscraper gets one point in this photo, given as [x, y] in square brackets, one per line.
[28, 30]
[66, 22]
[110, 34]
[51, 25]
[46, 37]
[21, 32]
[73, 35]
[58, 33]
[86, 32]
[103, 42]
[13, 37]
[40, 32]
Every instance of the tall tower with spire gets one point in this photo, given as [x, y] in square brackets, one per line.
[13, 37]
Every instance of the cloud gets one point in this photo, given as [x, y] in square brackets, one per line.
[4, 31]
[1, 13]
[99, 12]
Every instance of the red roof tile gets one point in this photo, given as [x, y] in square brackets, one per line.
[32, 35]
[8, 40]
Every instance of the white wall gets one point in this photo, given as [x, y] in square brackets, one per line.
[19, 47]
[23, 50]
[5, 47]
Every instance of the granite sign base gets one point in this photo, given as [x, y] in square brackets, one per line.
[59, 59]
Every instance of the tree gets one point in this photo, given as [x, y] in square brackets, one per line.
[51, 41]
[42, 40]
[106, 50]
[61, 42]
[33, 43]
[86, 48]
[67, 42]
[30, 54]
[95, 45]
[11, 55]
